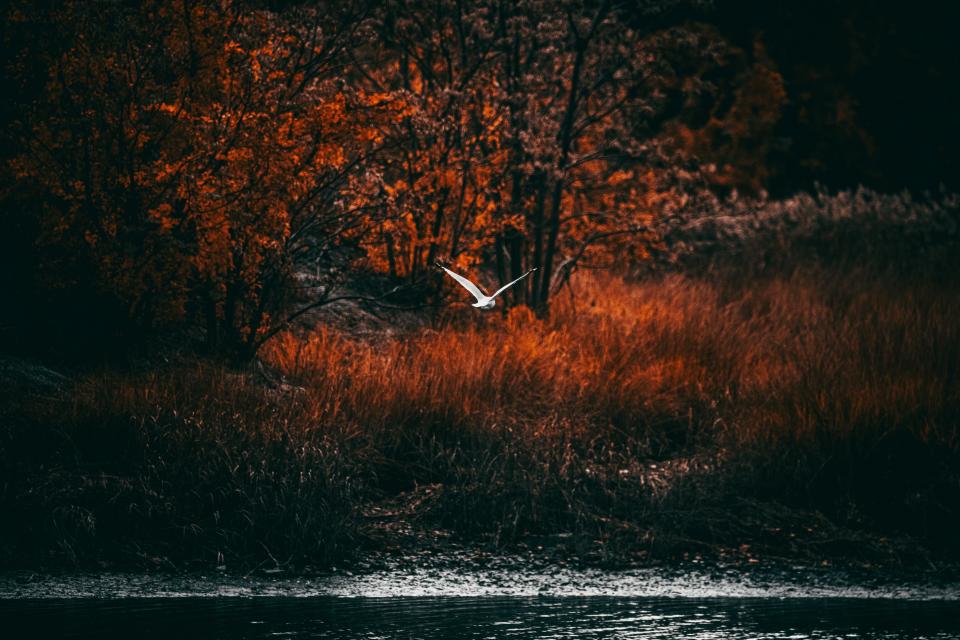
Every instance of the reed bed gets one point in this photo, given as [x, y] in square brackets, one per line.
[670, 415]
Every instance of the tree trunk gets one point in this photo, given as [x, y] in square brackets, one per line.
[565, 138]
[435, 229]
[515, 251]
[501, 267]
[537, 225]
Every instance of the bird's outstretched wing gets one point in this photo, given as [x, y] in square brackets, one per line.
[469, 286]
[510, 284]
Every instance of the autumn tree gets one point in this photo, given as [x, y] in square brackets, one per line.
[571, 75]
[220, 167]
[526, 146]
[191, 157]
[441, 168]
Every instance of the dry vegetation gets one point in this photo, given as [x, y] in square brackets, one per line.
[810, 414]
[745, 389]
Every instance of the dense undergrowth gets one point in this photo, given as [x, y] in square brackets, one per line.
[810, 414]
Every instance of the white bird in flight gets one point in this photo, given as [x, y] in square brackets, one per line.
[483, 300]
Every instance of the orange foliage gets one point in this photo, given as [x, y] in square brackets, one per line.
[195, 168]
[199, 162]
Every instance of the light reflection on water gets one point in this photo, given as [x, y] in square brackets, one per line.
[481, 617]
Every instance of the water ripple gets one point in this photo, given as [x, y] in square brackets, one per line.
[477, 618]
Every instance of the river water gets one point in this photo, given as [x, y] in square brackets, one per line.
[491, 603]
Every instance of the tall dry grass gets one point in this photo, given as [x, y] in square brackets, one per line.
[193, 464]
[834, 392]
[689, 411]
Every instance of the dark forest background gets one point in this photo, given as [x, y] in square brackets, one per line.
[871, 89]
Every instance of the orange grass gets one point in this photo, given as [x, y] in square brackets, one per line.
[781, 358]
[820, 389]
[637, 413]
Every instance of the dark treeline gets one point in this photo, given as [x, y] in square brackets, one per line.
[216, 169]
[870, 88]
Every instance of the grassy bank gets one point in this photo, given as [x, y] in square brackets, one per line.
[815, 415]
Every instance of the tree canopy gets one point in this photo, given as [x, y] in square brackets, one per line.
[220, 167]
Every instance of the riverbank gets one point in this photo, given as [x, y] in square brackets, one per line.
[469, 574]
[525, 603]
[810, 418]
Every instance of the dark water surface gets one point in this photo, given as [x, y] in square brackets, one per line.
[479, 617]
